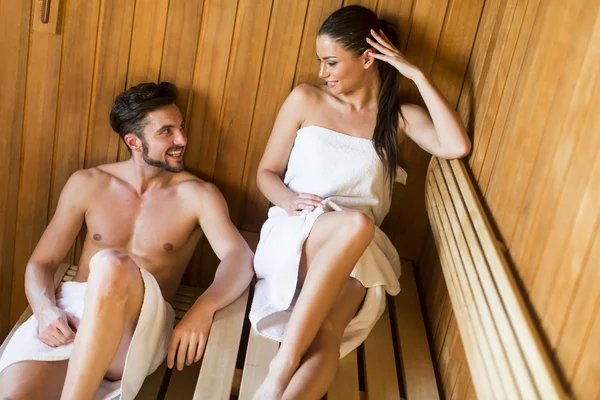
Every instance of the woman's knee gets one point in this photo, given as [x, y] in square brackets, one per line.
[357, 225]
[112, 272]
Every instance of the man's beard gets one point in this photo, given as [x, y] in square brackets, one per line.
[156, 163]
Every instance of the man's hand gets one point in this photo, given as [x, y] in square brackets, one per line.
[190, 335]
[56, 326]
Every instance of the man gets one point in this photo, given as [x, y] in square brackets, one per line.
[144, 217]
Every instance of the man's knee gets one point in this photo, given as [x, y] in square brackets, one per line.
[113, 273]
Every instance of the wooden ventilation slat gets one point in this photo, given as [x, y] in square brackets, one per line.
[218, 366]
[419, 376]
[505, 332]
[495, 325]
[475, 356]
[380, 365]
[261, 351]
[477, 284]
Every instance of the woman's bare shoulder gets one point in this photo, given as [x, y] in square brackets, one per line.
[308, 93]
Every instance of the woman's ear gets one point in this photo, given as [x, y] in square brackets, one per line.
[368, 58]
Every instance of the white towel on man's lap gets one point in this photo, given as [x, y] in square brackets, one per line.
[146, 350]
[346, 172]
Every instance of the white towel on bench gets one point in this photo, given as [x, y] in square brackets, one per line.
[346, 172]
[146, 350]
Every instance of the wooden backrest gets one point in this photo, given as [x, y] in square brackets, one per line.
[504, 351]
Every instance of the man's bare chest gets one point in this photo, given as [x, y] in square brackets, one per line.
[155, 225]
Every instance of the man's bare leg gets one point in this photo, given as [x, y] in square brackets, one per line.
[33, 380]
[319, 365]
[113, 301]
[332, 249]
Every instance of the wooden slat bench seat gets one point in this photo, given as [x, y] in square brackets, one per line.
[504, 351]
[393, 363]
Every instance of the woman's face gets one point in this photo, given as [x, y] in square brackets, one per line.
[342, 71]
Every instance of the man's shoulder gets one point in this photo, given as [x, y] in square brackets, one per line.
[189, 184]
[88, 177]
[200, 194]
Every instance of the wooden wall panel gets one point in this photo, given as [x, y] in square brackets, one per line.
[147, 41]
[225, 56]
[399, 13]
[112, 60]
[281, 55]
[308, 67]
[14, 29]
[252, 23]
[529, 101]
[180, 46]
[212, 59]
[41, 99]
[76, 74]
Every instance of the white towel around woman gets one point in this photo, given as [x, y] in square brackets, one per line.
[347, 172]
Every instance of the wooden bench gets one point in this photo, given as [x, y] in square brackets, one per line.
[393, 363]
[504, 351]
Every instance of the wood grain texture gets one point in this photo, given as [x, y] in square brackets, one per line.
[147, 41]
[112, 60]
[14, 27]
[41, 100]
[280, 58]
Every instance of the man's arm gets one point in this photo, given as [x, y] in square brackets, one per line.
[233, 276]
[54, 329]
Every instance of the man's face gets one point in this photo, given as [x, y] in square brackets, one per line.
[163, 139]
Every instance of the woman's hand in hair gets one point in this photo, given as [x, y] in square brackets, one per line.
[303, 201]
[390, 54]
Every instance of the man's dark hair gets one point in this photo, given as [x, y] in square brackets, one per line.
[129, 111]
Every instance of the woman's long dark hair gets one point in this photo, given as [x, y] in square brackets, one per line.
[350, 26]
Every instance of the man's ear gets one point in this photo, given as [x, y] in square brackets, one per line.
[133, 141]
[368, 59]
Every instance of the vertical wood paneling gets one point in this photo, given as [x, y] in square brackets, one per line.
[179, 48]
[212, 58]
[41, 99]
[147, 40]
[249, 38]
[398, 13]
[79, 45]
[496, 67]
[371, 4]
[528, 101]
[279, 60]
[585, 379]
[112, 60]
[583, 310]
[204, 112]
[14, 30]
[308, 67]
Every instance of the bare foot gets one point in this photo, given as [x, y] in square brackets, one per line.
[279, 376]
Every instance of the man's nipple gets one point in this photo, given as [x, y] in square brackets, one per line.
[168, 246]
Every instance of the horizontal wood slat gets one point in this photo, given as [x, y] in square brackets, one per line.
[485, 297]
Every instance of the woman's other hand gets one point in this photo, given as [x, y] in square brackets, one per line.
[300, 202]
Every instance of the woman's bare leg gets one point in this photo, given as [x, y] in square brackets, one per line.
[320, 363]
[335, 244]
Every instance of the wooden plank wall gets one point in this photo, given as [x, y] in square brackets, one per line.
[234, 62]
[531, 99]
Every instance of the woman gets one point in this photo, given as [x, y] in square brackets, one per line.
[323, 266]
